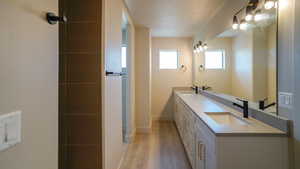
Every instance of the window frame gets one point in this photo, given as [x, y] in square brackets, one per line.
[168, 50]
[223, 59]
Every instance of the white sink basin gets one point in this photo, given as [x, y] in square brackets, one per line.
[226, 118]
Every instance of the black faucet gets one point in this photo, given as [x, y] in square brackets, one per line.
[244, 107]
[196, 88]
[205, 87]
[262, 104]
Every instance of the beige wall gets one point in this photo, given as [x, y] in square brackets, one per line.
[272, 63]
[260, 64]
[242, 72]
[143, 79]
[219, 80]
[29, 81]
[164, 80]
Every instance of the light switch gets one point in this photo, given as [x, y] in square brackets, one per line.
[285, 99]
[10, 130]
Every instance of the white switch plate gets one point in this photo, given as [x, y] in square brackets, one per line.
[285, 99]
[10, 130]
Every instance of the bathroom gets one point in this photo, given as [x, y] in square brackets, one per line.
[161, 84]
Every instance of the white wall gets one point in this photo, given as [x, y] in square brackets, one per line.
[164, 80]
[219, 80]
[113, 146]
[29, 81]
[143, 79]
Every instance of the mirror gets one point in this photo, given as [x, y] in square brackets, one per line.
[242, 63]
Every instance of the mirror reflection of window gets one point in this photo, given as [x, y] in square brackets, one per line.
[124, 56]
[215, 59]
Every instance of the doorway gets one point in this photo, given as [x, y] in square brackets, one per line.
[127, 79]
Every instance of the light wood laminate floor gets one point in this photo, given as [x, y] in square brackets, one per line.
[160, 149]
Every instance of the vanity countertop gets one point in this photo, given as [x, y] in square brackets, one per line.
[202, 105]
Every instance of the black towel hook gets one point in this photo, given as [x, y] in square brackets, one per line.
[53, 19]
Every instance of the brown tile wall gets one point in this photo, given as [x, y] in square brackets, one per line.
[80, 85]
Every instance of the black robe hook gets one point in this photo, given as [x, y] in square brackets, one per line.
[53, 19]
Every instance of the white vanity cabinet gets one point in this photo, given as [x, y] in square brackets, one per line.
[185, 122]
[209, 150]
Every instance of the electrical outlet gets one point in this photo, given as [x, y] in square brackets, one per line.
[285, 99]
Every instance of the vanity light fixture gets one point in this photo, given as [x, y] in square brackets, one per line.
[235, 24]
[243, 25]
[201, 48]
[269, 4]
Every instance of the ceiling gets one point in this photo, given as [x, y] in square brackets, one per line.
[173, 18]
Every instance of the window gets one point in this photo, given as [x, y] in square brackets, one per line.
[124, 54]
[168, 59]
[215, 59]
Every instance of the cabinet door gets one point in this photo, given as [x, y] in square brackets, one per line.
[205, 156]
[200, 154]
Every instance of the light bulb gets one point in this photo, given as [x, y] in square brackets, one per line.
[198, 49]
[258, 16]
[243, 25]
[282, 4]
[249, 17]
[201, 48]
[269, 4]
[205, 47]
[235, 24]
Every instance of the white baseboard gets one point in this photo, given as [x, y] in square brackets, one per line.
[130, 137]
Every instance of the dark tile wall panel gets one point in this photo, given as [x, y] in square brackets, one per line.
[83, 68]
[82, 157]
[83, 99]
[81, 37]
[80, 132]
